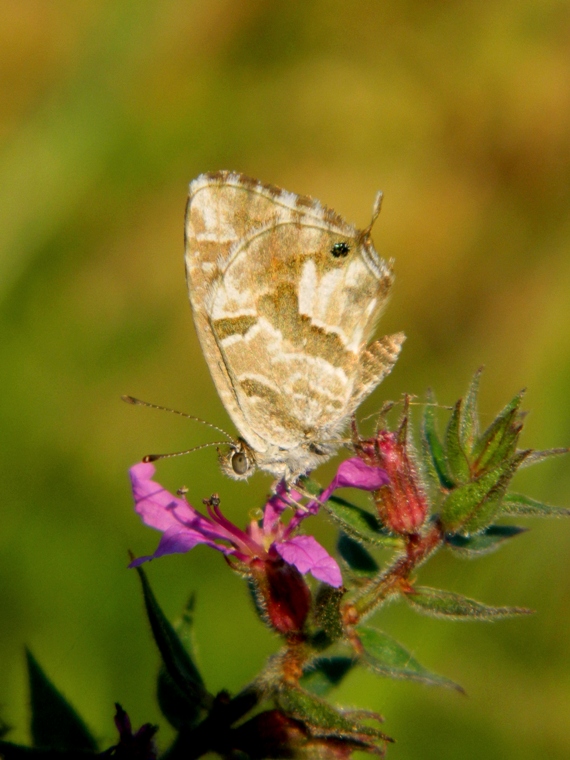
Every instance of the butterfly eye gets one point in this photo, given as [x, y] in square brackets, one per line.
[340, 250]
[240, 464]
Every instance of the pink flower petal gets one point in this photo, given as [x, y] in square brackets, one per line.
[308, 556]
[178, 540]
[354, 473]
[158, 508]
[182, 526]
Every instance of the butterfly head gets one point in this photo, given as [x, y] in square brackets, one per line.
[238, 462]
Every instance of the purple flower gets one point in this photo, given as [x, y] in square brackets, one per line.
[183, 527]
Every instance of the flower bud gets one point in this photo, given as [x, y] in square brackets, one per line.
[283, 594]
[273, 734]
[402, 504]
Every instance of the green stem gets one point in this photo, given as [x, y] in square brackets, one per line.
[395, 579]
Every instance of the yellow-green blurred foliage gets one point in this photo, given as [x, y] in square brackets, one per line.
[460, 112]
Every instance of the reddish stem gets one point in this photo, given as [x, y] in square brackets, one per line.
[395, 579]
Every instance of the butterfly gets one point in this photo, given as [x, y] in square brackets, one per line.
[285, 296]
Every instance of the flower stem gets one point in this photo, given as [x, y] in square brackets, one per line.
[393, 580]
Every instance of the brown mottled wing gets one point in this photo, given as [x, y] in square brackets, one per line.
[375, 363]
[283, 323]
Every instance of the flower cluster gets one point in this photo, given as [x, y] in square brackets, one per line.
[449, 496]
[274, 554]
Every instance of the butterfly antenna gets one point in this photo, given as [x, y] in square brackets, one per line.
[155, 457]
[375, 212]
[138, 402]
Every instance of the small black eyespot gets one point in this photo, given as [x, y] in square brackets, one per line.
[340, 249]
[239, 463]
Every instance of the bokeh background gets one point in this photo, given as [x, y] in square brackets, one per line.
[460, 112]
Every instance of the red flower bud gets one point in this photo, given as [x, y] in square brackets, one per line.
[283, 594]
[402, 504]
[271, 734]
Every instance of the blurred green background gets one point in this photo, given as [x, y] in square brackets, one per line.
[460, 112]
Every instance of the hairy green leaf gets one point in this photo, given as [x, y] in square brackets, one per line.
[523, 506]
[471, 507]
[359, 560]
[324, 673]
[358, 522]
[433, 444]
[446, 604]
[318, 714]
[498, 442]
[536, 457]
[388, 658]
[485, 542]
[455, 453]
[469, 424]
[327, 611]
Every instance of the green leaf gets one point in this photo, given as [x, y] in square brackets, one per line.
[324, 673]
[177, 708]
[485, 542]
[506, 447]
[185, 626]
[174, 704]
[55, 724]
[433, 445]
[462, 503]
[327, 612]
[469, 424]
[177, 662]
[318, 714]
[385, 656]
[523, 506]
[499, 440]
[446, 604]
[359, 523]
[455, 454]
[535, 457]
[310, 486]
[359, 560]
[471, 507]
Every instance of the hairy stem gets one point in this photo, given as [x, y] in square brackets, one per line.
[394, 579]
